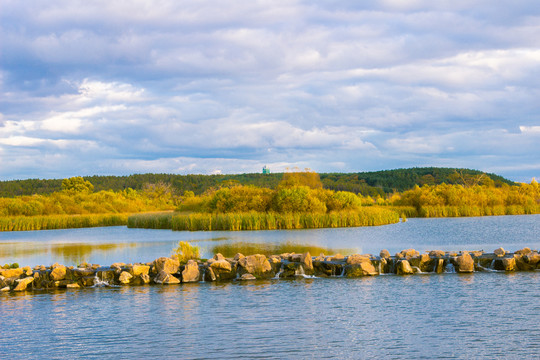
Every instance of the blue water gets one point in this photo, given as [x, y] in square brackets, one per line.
[449, 316]
[119, 244]
[482, 315]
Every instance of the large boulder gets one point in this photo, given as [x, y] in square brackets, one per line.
[403, 267]
[58, 273]
[464, 263]
[222, 269]
[500, 252]
[426, 263]
[168, 265]
[138, 269]
[304, 259]
[440, 266]
[191, 272]
[365, 268]
[407, 254]
[257, 265]
[436, 253]
[523, 251]
[22, 284]
[509, 264]
[11, 273]
[384, 254]
[125, 277]
[165, 278]
[357, 259]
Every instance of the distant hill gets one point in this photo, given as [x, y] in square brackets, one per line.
[365, 183]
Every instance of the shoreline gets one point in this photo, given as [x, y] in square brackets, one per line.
[169, 271]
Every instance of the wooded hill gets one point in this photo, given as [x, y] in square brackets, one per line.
[365, 183]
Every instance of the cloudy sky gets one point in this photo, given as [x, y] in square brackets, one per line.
[207, 86]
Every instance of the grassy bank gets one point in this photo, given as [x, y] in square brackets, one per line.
[368, 216]
[52, 222]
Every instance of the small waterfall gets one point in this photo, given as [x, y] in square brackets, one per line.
[203, 275]
[449, 268]
[279, 272]
[100, 282]
[380, 267]
[299, 271]
[418, 271]
[342, 272]
[492, 266]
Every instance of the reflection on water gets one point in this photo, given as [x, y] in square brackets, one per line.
[68, 254]
[105, 246]
[246, 248]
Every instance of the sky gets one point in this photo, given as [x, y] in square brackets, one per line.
[208, 87]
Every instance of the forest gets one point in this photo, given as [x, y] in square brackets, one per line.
[378, 183]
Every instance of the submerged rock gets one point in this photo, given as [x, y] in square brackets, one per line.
[247, 277]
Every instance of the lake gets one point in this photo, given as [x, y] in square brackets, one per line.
[108, 245]
[464, 316]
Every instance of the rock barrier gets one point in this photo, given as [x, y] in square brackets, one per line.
[169, 271]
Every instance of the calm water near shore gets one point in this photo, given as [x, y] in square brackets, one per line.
[119, 244]
[465, 316]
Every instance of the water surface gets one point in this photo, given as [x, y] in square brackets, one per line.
[120, 244]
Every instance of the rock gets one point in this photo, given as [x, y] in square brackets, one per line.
[11, 273]
[3, 283]
[218, 257]
[246, 277]
[170, 266]
[357, 259]
[500, 252]
[257, 265]
[28, 271]
[22, 284]
[73, 286]
[221, 265]
[436, 253]
[464, 263]
[137, 269]
[79, 273]
[404, 268]
[125, 277]
[477, 253]
[387, 265]
[88, 281]
[5, 288]
[321, 257]
[384, 254]
[165, 278]
[307, 262]
[337, 257]
[58, 273]
[191, 272]
[523, 251]
[238, 256]
[426, 263]
[360, 269]
[209, 275]
[145, 278]
[509, 264]
[439, 269]
[409, 253]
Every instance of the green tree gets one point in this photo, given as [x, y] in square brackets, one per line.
[77, 185]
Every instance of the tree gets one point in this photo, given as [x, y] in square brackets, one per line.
[77, 185]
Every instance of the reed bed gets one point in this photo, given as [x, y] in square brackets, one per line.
[465, 211]
[52, 222]
[150, 221]
[367, 216]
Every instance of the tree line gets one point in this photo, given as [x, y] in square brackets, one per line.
[374, 184]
